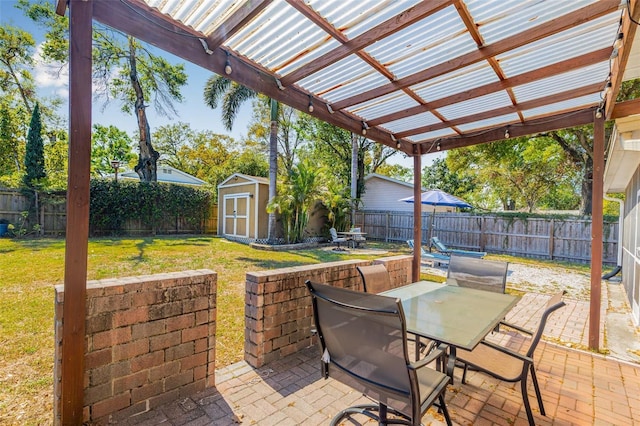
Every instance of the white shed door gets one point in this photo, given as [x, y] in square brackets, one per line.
[236, 215]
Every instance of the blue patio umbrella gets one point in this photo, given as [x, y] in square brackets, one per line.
[436, 197]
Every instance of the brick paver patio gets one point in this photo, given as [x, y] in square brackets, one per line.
[578, 387]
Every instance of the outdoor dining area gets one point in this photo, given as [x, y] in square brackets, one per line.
[431, 353]
[420, 78]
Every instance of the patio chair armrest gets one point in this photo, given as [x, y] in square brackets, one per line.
[508, 351]
[516, 327]
[438, 352]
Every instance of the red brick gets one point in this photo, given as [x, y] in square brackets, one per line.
[201, 345]
[131, 316]
[113, 303]
[111, 405]
[131, 381]
[165, 310]
[99, 358]
[165, 370]
[164, 341]
[180, 351]
[202, 317]
[147, 391]
[178, 380]
[130, 350]
[149, 360]
[192, 361]
[194, 333]
[98, 323]
[97, 393]
[147, 329]
[180, 322]
[110, 338]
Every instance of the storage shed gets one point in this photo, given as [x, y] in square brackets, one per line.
[242, 207]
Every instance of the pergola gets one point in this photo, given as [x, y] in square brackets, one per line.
[418, 76]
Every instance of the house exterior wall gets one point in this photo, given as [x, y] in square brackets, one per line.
[631, 245]
[383, 195]
[278, 311]
[149, 341]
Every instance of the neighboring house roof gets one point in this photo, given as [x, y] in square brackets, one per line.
[244, 178]
[167, 174]
[623, 157]
[388, 179]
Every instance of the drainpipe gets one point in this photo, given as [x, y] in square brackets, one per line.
[618, 268]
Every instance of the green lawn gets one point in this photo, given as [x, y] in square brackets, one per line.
[31, 267]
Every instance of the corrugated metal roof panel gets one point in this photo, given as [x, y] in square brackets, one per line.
[562, 82]
[489, 122]
[383, 105]
[458, 81]
[568, 44]
[355, 17]
[436, 39]
[572, 104]
[477, 105]
[418, 120]
[500, 19]
[432, 135]
[343, 79]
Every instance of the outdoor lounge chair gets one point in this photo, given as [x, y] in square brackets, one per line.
[441, 248]
[363, 343]
[488, 275]
[432, 258]
[335, 239]
[505, 364]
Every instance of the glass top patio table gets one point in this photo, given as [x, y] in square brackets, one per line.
[457, 316]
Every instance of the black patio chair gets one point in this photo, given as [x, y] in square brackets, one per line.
[335, 239]
[510, 366]
[364, 345]
[375, 278]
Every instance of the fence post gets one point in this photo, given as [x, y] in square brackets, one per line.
[386, 232]
[551, 241]
[483, 241]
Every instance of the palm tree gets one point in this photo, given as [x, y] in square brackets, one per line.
[233, 95]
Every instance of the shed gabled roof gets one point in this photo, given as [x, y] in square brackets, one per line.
[421, 76]
[233, 179]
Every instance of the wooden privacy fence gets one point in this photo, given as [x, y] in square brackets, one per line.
[53, 217]
[539, 238]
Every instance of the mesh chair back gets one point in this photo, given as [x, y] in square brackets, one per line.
[375, 278]
[363, 338]
[553, 305]
[481, 274]
[334, 234]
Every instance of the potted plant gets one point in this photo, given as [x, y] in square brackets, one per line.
[4, 226]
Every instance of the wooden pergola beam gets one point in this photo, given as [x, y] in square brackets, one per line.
[77, 232]
[235, 22]
[626, 108]
[619, 63]
[562, 23]
[544, 124]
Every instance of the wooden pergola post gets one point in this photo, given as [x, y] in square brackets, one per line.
[77, 232]
[417, 217]
[596, 233]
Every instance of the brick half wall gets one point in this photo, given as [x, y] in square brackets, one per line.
[278, 311]
[149, 340]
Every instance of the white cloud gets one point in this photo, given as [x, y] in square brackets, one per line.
[50, 76]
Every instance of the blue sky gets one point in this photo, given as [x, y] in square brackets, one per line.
[192, 110]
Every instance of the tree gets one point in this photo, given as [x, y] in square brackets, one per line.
[16, 60]
[124, 69]
[439, 176]
[302, 188]
[233, 95]
[107, 144]
[34, 156]
[517, 171]
[331, 146]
